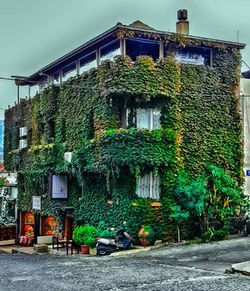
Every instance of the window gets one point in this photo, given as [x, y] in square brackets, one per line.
[148, 186]
[193, 56]
[69, 71]
[88, 62]
[34, 90]
[109, 51]
[56, 78]
[148, 118]
[124, 113]
[139, 47]
[43, 84]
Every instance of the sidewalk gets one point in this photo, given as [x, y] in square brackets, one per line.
[16, 249]
[243, 268]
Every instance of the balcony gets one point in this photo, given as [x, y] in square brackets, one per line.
[115, 148]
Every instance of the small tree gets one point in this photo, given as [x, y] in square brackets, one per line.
[211, 199]
[226, 200]
[190, 198]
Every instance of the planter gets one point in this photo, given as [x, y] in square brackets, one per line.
[146, 235]
[85, 249]
[92, 251]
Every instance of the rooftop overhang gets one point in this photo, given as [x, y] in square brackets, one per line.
[121, 30]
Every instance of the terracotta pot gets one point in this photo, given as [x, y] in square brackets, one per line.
[85, 249]
[146, 235]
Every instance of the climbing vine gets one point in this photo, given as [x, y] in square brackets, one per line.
[200, 126]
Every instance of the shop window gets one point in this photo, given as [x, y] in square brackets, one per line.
[148, 118]
[50, 225]
[109, 51]
[29, 224]
[69, 71]
[148, 186]
[88, 62]
[193, 56]
[139, 47]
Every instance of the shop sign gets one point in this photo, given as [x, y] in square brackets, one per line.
[247, 172]
[36, 202]
[59, 189]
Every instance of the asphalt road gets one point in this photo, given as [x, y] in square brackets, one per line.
[193, 267]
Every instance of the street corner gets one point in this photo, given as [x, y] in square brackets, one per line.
[242, 268]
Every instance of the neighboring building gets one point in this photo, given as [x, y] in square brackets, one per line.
[141, 105]
[8, 208]
[1, 141]
[245, 109]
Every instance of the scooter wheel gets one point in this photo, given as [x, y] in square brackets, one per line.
[102, 251]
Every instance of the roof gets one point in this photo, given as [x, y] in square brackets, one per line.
[137, 28]
[246, 74]
[140, 24]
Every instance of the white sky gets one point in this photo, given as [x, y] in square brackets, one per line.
[35, 33]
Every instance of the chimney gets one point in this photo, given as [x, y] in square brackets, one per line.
[182, 25]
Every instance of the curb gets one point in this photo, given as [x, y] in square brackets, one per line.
[137, 250]
[242, 268]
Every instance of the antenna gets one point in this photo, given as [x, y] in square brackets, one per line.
[238, 35]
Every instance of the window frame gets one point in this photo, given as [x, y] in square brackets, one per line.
[151, 119]
[93, 62]
[141, 42]
[67, 74]
[154, 182]
[103, 57]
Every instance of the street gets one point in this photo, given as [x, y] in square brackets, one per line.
[190, 267]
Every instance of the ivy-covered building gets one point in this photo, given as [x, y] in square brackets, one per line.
[116, 120]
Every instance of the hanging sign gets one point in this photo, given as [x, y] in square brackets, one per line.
[59, 187]
[36, 202]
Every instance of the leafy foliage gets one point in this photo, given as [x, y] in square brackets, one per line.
[213, 199]
[200, 126]
[85, 235]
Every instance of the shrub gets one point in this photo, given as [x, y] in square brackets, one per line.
[85, 235]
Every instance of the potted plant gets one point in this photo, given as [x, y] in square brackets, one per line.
[85, 236]
[146, 235]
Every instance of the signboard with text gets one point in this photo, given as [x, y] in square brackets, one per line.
[59, 186]
[36, 202]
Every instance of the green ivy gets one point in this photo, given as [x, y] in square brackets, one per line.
[200, 126]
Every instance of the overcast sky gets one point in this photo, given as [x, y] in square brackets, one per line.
[34, 33]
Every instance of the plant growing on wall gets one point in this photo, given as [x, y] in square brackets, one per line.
[200, 122]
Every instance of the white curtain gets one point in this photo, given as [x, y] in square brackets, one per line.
[148, 186]
[148, 118]
[143, 118]
[156, 115]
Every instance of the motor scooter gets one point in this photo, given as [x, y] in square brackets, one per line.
[106, 246]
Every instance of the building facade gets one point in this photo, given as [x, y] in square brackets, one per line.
[114, 122]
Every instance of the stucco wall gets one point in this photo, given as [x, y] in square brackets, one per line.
[245, 109]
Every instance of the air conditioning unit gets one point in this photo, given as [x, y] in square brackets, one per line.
[68, 157]
[22, 143]
[23, 131]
